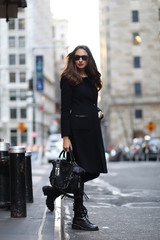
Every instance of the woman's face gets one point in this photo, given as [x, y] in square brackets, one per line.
[81, 58]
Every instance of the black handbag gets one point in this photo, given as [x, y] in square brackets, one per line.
[66, 174]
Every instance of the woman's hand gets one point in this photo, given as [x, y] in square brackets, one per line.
[100, 114]
[67, 144]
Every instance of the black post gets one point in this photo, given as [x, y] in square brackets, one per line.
[4, 175]
[17, 181]
[29, 189]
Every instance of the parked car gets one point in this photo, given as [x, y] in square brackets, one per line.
[121, 153]
[151, 149]
[53, 147]
[136, 150]
[114, 155]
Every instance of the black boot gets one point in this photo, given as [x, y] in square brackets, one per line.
[81, 221]
[51, 193]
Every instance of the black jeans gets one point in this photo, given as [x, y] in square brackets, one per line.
[78, 196]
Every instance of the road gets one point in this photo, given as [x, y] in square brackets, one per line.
[125, 203]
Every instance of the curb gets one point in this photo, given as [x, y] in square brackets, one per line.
[58, 220]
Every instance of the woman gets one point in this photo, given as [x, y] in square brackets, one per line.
[80, 124]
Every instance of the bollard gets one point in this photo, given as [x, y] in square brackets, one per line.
[17, 181]
[4, 175]
[29, 189]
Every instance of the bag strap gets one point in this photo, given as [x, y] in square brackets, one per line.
[63, 155]
[66, 195]
[71, 156]
[60, 155]
[72, 196]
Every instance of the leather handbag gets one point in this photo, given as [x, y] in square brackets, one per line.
[66, 174]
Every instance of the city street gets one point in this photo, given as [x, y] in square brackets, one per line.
[125, 204]
[66, 84]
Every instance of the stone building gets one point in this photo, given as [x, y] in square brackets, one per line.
[25, 115]
[130, 66]
[59, 34]
[60, 31]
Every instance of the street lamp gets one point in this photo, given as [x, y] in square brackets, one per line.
[37, 70]
[42, 115]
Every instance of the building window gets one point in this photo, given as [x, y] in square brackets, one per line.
[21, 42]
[22, 59]
[138, 113]
[138, 89]
[11, 24]
[24, 137]
[11, 42]
[137, 62]
[12, 59]
[22, 95]
[12, 77]
[23, 113]
[13, 113]
[135, 16]
[13, 137]
[21, 23]
[12, 95]
[22, 77]
[136, 38]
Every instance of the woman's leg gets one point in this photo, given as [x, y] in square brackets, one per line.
[80, 220]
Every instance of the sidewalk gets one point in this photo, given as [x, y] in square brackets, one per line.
[40, 223]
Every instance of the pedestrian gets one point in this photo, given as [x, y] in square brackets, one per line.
[80, 126]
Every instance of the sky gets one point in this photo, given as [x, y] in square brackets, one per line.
[83, 25]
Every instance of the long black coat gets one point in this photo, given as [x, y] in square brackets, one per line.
[79, 121]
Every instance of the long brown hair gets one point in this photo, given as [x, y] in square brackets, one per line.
[71, 71]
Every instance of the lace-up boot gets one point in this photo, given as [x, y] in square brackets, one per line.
[52, 193]
[81, 220]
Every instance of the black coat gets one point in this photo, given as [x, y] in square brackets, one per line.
[79, 121]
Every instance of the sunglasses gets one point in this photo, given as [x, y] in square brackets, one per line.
[83, 57]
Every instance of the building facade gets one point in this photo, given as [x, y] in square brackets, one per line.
[59, 37]
[130, 60]
[60, 31]
[26, 110]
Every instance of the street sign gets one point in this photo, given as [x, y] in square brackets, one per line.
[21, 127]
[39, 74]
[151, 126]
